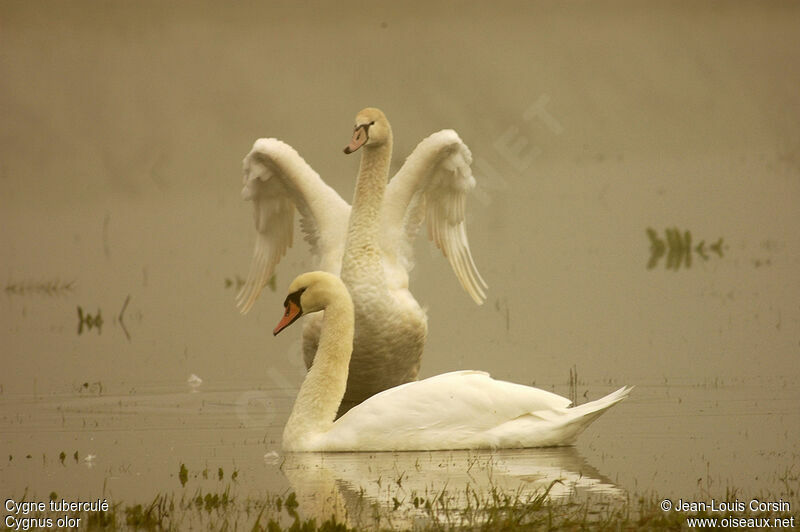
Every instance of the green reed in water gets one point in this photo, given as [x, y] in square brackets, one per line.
[493, 510]
[54, 287]
[89, 321]
[678, 248]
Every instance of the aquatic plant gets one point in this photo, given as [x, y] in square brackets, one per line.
[495, 511]
[89, 321]
[49, 288]
[468, 509]
[678, 248]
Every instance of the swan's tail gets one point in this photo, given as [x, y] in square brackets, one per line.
[598, 406]
[577, 418]
[555, 427]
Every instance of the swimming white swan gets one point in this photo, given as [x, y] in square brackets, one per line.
[458, 410]
[370, 245]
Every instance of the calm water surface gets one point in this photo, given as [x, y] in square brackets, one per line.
[677, 440]
[124, 238]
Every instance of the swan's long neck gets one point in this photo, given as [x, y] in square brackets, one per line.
[323, 388]
[362, 251]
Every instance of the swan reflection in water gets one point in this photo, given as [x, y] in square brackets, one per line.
[352, 486]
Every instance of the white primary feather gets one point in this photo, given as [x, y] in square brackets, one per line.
[277, 180]
[431, 187]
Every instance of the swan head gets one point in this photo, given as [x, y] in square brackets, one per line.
[311, 292]
[371, 129]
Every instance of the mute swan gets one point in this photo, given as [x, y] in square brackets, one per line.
[370, 245]
[457, 410]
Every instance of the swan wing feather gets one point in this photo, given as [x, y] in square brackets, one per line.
[462, 409]
[278, 180]
[432, 186]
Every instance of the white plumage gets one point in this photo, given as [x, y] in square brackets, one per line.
[457, 410]
[278, 181]
[462, 410]
[370, 244]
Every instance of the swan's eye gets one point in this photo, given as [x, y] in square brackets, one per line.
[372, 123]
[294, 297]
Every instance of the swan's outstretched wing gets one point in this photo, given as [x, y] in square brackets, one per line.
[277, 180]
[432, 185]
[463, 410]
[452, 408]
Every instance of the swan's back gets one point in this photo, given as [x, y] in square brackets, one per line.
[462, 410]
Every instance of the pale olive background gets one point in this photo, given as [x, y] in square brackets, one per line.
[124, 125]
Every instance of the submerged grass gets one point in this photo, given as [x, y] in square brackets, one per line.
[52, 287]
[495, 511]
[464, 509]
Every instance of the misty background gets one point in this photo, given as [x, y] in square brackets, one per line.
[124, 127]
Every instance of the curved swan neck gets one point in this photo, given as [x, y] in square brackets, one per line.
[362, 251]
[323, 388]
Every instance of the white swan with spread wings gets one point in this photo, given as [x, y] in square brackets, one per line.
[369, 244]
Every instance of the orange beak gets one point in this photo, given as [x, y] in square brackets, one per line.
[360, 137]
[293, 311]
